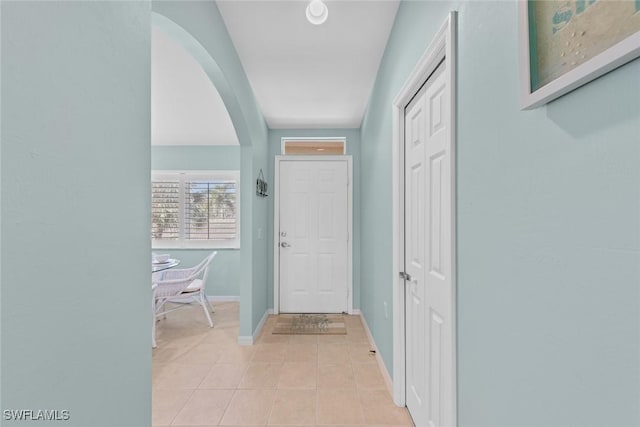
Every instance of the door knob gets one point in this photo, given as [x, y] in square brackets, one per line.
[285, 245]
[408, 277]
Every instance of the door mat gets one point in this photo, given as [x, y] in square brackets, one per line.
[310, 324]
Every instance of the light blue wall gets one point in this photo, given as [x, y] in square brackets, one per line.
[195, 157]
[75, 323]
[260, 245]
[202, 32]
[224, 274]
[548, 229]
[416, 23]
[353, 149]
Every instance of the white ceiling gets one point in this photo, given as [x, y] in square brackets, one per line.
[186, 108]
[308, 76]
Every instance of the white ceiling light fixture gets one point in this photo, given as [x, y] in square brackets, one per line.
[317, 12]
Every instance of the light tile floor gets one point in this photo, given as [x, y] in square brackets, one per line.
[201, 376]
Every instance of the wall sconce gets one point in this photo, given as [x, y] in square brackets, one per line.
[262, 188]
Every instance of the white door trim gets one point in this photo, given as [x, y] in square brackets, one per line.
[276, 224]
[443, 47]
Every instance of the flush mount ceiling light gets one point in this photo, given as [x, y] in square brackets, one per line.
[317, 12]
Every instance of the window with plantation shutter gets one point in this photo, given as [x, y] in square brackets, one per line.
[165, 209]
[195, 209]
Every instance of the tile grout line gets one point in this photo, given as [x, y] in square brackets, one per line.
[355, 381]
[226, 408]
[180, 410]
[350, 348]
[272, 405]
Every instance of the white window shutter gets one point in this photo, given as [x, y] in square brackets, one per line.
[196, 209]
[165, 209]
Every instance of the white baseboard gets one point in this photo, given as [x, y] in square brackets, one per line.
[212, 298]
[250, 339]
[381, 365]
[356, 312]
[245, 340]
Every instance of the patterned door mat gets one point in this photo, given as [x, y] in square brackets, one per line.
[310, 324]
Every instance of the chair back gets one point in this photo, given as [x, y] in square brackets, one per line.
[172, 282]
[207, 262]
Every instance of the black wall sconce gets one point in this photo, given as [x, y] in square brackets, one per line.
[262, 188]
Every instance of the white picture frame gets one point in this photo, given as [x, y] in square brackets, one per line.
[601, 63]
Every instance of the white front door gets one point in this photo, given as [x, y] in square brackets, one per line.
[313, 236]
[428, 257]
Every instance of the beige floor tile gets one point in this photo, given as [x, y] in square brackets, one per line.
[231, 324]
[224, 376]
[179, 336]
[158, 369]
[360, 353]
[188, 326]
[294, 407]
[336, 376]
[266, 337]
[220, 337]
[165, 354]
[249, 407]
[180, 325]
[298, 375]
[204, 407]
[261, 375]
[268, 327]
[358, 336]
[202, 354]
[332, 339]
[166, 404]
[179, 377]
[329, 377]
[389, 425]
[368, 376]
[272, 319]
[352, 322]
[237, 354]
[350, 318]
[333, 354]
[339, 406]
[303, 339]
[266, 330]
[354, 327]
[270, 352]
[379, 408]
[301, 353]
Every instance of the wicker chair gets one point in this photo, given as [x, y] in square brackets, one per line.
[175, 285]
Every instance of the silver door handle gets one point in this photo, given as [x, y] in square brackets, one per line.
[407, 277]
[285, 245]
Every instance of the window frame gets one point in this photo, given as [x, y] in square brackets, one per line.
[183, 176]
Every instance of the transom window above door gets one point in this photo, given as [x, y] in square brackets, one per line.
[314, 146]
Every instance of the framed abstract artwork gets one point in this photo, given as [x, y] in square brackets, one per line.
[567, 43]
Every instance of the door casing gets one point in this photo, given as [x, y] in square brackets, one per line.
[443, 47]
[276, 224]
